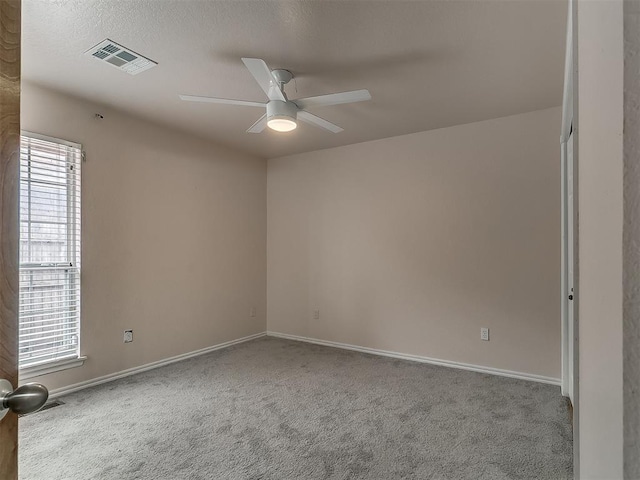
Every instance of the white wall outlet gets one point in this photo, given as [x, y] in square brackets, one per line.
[252, 312]
[484, 334]
[128, 336]
[316, 314]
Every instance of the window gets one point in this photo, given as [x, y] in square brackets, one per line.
[49, 313]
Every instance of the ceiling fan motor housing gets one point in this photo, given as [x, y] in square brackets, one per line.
[279, 109]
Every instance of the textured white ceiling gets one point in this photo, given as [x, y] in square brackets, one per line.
[428, 64]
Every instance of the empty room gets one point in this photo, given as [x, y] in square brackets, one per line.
[264, 239]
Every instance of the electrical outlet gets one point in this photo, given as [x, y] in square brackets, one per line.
[252, 312]
[316, 314]
[128, 336]
[484, 334]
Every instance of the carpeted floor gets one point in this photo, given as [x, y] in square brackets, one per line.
[276, 409]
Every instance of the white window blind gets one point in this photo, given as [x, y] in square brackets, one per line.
[49, 314]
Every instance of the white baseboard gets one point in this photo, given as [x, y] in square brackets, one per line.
[149, 366]
[417, 358]
[403, 356]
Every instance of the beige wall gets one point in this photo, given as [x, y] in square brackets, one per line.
[413, 243]
[600, 161]
[408, 244]
[173, 236]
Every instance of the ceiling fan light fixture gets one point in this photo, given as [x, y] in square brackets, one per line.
[282, 116]
[282, 124]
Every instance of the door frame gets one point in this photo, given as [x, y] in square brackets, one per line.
[570, 380]
[10, 37]
[567, 171]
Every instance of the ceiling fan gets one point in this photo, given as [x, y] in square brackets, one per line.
[282, 114]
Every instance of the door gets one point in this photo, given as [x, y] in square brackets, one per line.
[9, 162]
[568, 269]
[567, 266]
[570, 261]
[568, 219]
[31, 397]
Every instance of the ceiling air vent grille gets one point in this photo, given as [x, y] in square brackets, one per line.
[120, 57]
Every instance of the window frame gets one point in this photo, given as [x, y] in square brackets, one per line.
[73, 230]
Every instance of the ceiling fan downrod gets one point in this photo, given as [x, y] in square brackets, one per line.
[282, 77]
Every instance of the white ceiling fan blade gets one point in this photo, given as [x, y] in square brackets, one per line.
[227, 101]
[333, 99]
[263, 76]
[259, 126]
[318, 122]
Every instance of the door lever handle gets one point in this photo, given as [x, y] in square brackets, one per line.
[28, 398]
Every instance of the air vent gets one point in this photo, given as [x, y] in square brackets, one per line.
[51, 404]
[120, 57]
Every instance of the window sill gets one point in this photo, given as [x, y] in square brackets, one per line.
[50, 367]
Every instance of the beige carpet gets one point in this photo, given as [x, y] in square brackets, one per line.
[277, 409]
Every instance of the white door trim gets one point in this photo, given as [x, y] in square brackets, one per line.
[566, 223]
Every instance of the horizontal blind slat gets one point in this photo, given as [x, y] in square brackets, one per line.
[40, 335]
[29, 295]
[33, 305]
[51, 351]
[61, 315]
[51, 325]
[47, 339]
[56, 353]
[54, 336]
